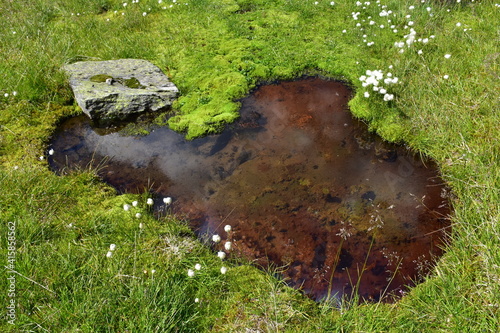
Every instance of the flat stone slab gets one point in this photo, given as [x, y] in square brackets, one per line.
[114, 90]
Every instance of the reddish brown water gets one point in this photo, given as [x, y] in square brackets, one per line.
[303, 185]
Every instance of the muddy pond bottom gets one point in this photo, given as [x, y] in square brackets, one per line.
[303, 185]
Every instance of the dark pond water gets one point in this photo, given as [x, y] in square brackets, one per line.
[302, 183]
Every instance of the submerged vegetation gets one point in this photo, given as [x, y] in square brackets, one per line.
[424, 72]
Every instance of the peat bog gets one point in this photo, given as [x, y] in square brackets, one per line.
[303, 185]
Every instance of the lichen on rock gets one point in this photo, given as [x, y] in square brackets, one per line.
[115, 90]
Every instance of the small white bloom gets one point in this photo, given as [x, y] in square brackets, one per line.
[216, 238]
[428, 9]
[425, 40]
[145, 271]
[411, 7]
[109, 254]
[196, 300]
[447, 56]
[51, 152]
[141, 225]
[138, 215]
[223, 270]
[197, 267]
[150, 201]
[112, 247]
[126, 207]
[458, 24]
[14, 93]
[190, 273]
[446, 77]
[344, 31]
[382, 91]
[134, 203]
[125, 4]
[167, 201]
[144, 14]
[221, 255]
[227, 228]
[411, 23]
[6, 95]
[332, 3]
[420, 52]
[367, 94]
[388, 97]
[41, 158]
[228, 246]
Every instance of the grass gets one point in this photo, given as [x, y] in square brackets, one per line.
[216, 52]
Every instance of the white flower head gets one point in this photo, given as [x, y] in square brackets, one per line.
[126, 207]
[109, 254]
[190, 273]
[141, 225]
[388, 97]
[167, 201]
[221, 255]
[447, 56]
[149, 201]
[197, 300]
[112, 247]
[197, 267]
[216, 238]
[228, 246]
[223, 270]
[367, 94]
[51, 152]
[134, 203]
[138, 215]
[446, 77]
[227, 228]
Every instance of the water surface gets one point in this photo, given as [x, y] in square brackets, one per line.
[303, 184]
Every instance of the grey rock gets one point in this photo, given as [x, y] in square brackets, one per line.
[114, 90]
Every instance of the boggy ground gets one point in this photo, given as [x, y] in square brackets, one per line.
[303, 184]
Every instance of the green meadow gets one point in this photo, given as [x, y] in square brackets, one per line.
[433, 84]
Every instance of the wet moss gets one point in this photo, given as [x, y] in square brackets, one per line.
[133, 83]
[100, 78]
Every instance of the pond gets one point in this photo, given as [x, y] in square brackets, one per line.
[304, 186]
